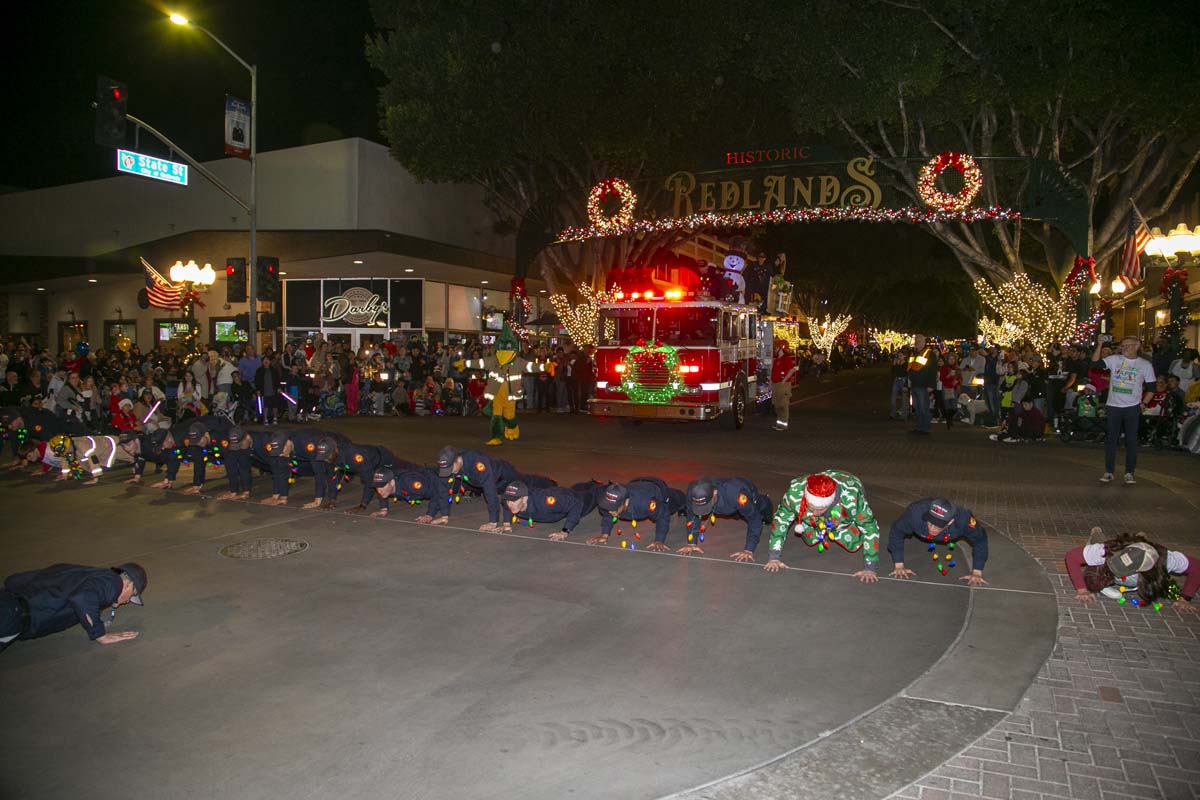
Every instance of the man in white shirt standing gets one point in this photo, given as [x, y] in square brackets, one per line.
[1127, 394]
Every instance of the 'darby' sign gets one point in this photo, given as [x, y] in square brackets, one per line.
[356, 306]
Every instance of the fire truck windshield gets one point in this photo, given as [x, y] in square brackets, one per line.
[626, 326]
[687, 325]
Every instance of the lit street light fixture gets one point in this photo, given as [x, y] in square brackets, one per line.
[191, 276]
[180, 19]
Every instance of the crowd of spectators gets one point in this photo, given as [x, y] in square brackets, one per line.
[1022, 393]
[304, 381]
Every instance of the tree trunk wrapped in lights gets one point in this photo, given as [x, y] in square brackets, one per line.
[580, 320]
[1038, 314]
[890, 341]
[826, 332]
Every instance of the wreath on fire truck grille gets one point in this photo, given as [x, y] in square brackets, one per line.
[651, 361]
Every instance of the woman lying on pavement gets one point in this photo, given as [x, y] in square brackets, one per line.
[1131, 566]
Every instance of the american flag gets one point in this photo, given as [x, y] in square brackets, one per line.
[1139, 237]
[160, 291]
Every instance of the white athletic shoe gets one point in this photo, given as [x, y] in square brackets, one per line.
[1106, 477]
[1129, 481]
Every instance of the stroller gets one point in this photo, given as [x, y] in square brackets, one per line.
[331, 405]
[229, 410]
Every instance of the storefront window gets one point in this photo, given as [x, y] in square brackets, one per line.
[71, 334]
[117, 329]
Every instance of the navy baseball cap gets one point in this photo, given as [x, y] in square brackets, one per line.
[137, 576]
[515, 491]
[445, 461]
[940, 512]
[158, 440]
[700, 497]
[236, 435]
[382, 478]
[611, 498]
[196, 430]
[128, 436]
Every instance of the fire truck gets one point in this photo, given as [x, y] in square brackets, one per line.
[673, 355]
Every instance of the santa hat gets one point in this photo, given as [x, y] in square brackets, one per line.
[819, 492]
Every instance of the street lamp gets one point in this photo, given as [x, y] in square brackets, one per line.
[180, 19]
[191, 276]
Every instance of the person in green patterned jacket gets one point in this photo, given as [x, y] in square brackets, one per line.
[823, 508]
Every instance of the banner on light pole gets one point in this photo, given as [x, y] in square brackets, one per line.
[237, 127]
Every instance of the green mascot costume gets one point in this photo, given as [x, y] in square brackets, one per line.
[504, 372]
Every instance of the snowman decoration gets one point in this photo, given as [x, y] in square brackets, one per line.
[735, 264]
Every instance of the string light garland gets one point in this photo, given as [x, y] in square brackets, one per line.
[713, 221]
[1034, 311]
[580, 320]
[890, 341]
[944, 201]
[658, 359]
[826, 332]
[611, 187]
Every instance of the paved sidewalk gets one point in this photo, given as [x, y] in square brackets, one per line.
[1115, 712]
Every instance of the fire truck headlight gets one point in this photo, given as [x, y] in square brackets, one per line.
[619, 368]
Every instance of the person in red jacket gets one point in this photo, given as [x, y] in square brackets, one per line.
[783, 371]
[1131, 566]
[123, 418]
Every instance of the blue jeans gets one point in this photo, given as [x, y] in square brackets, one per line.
[1122, 419]
[899, 398]
[920, 396]
[991, 396]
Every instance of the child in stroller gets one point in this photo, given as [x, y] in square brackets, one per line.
[1082, 423]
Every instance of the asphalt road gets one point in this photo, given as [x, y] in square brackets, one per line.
[390, 659]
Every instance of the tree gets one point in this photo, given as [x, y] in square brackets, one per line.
[538, 102]
[1093, 88]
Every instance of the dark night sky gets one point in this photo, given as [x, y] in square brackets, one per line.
[314, 82]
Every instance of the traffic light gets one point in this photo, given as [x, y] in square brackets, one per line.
[242, 321]
[268, 278]
[235, 280]
[112, 104]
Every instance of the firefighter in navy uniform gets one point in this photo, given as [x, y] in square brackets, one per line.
[415, 486]
[328, 459]
[246, 450]
[461, 470]
[639, 500]
[363, 461]
[935, 520]
[709, 498]
[35, 424]
[204, 445]
[527, 506]
[293, 455]
[46, 601]
[157, 447]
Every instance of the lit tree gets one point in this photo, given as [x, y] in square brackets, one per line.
[1034, 312]
[825, 332]
[1003, 334]
[890, 341]
[580, 319]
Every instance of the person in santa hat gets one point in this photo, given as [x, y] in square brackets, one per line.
[824, 508]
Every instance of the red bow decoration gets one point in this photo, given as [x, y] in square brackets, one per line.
[1173, 278]
[1082, 264]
